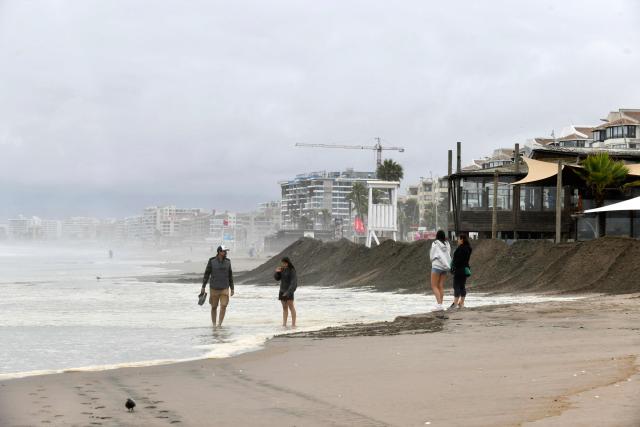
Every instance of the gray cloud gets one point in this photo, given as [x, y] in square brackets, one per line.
[114, 105]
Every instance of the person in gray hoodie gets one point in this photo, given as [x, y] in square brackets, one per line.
[220, 276]
[440, 256]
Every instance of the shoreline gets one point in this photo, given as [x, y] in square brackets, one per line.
[399, 324]
[551, 356]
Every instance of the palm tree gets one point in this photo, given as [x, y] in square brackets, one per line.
[602, 172]
[359, 197]
[389, 171]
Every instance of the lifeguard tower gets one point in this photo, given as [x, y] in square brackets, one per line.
[382, 216]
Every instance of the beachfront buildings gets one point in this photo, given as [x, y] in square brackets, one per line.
[318, 200]
[524, 205]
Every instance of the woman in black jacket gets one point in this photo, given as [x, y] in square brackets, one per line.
[459, 266]
[286, 274]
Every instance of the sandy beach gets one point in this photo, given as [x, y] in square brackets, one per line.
[550, 364]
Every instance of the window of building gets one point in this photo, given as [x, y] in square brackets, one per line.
[549, 198]
[598, 135]
[618, 224]
[477, 194]
[631, 131]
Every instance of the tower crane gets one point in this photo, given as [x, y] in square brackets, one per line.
[377, 147]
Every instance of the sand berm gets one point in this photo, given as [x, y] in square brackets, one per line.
[606, 265]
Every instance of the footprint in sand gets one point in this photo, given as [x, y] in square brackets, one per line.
[86, 413]
[150, 407]
[58, 416]
[175, 422]
[99, 407]
[158, 401]
[163, 412]
[162, 416]
[33, 394]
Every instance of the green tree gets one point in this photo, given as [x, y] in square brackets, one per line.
[389, 170]
[359, 197]
[408, 216]
[601, 172]
[305, 223]
[326, 218]
[433, 221]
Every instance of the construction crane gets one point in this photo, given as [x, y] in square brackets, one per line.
[378, 147]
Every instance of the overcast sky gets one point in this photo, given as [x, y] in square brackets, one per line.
[109, 106]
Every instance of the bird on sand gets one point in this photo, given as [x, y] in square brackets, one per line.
[130, 404]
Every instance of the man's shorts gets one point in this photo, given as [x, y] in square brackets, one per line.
[221, 295]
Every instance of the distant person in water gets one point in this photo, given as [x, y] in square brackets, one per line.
[110, 253]
[286, 274]
[220, 277]
[440, 256]
[460, 268]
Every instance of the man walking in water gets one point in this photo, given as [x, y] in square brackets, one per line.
[221, 284]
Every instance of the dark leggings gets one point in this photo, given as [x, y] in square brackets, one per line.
[459, 289]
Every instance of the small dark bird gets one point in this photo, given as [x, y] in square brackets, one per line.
[130, 404]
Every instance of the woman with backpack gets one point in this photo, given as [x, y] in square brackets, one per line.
[440, 256]
[286, 274]
[460, 270]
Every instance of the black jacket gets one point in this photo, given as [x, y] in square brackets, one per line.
[460, 260]
[288, 281]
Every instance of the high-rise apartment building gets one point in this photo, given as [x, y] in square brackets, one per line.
[316, 199]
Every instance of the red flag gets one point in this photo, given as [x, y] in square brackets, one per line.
[225, 222]
[358, 225]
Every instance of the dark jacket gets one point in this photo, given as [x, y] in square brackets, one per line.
[288, 281]
[460, 260]
[219, 272]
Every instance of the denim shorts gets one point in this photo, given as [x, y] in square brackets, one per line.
[438, 270]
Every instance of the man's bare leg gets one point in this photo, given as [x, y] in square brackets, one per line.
[214, 314]
[223, 310]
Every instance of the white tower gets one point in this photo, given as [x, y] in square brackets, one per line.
[382, 217]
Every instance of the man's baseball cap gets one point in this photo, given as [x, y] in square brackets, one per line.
[223, 248]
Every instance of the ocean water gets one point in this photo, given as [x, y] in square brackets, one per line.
[55, 314]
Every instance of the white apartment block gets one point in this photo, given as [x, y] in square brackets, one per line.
[312, 194]
[79, 227]
[24, 228]
[51, 229]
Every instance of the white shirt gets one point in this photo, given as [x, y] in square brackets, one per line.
[440, 255]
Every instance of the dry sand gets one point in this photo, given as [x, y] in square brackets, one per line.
[552, 364]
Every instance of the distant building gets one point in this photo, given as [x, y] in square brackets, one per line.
[51, 229]
[318, 200]
[620, 130]
[23, 228]
[79, 227]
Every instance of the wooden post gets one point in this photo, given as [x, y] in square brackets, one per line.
[516, 194]
[458, 189]
[449, 172]
[559, 203]
[494, 219]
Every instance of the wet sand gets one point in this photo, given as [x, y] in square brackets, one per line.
[550, 364]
